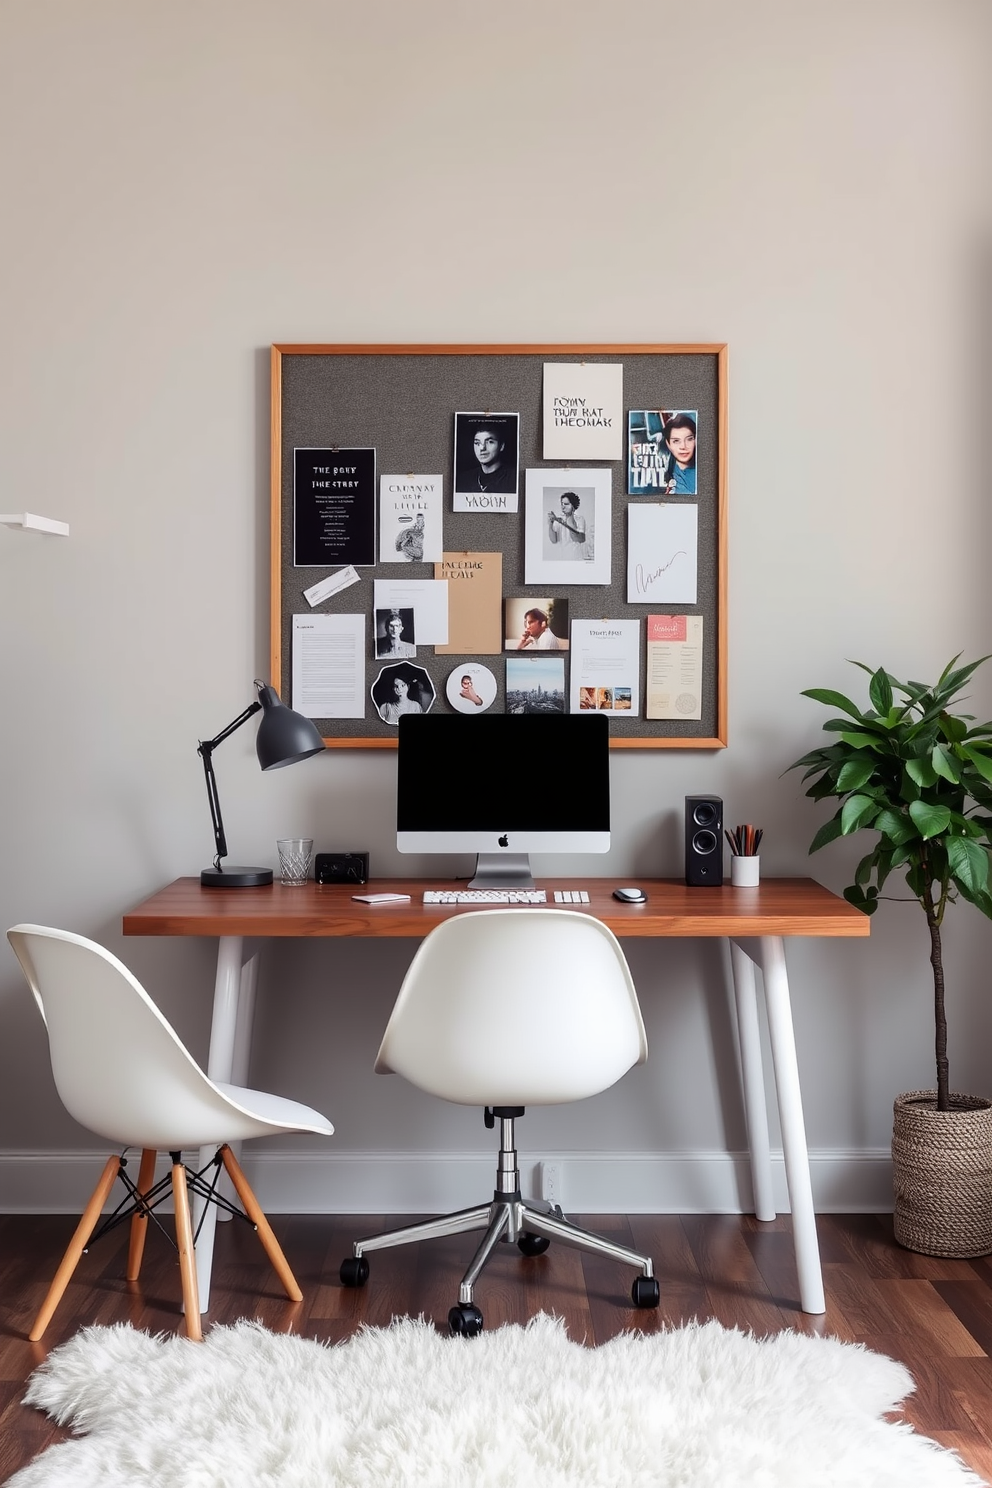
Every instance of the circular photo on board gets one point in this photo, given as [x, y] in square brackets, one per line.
[402, 688]
[471, 688]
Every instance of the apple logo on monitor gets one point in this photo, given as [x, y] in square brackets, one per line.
[504, 841]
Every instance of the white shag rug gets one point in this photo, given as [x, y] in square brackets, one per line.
[518, 1407]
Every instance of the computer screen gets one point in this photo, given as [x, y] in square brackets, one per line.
[503, 786]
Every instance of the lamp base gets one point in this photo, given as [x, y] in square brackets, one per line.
[235, 878]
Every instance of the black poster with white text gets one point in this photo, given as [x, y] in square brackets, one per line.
[333, 507]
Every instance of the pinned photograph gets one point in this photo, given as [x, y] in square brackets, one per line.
[567, 534]
[395, 634]
[535, 624]
[410, 519]
[535, 684]
[471, 688]
[402, 688]
[486, 462]
[661, 452]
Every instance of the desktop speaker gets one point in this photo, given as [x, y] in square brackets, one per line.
[341, 868]
[703, 840]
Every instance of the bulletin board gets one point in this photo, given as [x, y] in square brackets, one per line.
[401, 402]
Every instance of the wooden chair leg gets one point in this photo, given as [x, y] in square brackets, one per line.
[78, 1243]
[187, 1258]
[139, 1224]
[256, 1214]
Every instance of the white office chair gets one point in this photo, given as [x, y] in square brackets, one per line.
[505, 1009]
[122, 1072]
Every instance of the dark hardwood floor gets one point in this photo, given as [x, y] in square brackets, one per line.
[934, 1315]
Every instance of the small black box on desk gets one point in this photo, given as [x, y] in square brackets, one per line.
[349, 868]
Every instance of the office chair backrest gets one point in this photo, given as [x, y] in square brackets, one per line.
[119, 1067]
[516, 1007]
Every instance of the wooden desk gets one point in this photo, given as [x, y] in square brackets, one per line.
[755, 921]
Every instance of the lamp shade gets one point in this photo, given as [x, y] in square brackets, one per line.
[284, 736]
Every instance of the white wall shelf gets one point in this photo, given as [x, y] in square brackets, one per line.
[27, 520]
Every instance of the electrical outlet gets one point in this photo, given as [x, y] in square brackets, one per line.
[550, 1181]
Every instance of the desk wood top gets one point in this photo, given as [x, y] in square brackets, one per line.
[779, 906]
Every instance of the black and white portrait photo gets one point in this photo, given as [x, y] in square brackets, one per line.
[486, 458]
[567, 527]
[395, 635]
[402, 688]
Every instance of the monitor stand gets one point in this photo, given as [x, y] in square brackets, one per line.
[502, 871]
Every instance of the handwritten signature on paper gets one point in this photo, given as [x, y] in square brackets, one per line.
[643, 581]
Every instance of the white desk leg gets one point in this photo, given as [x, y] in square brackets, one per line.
[241, 1058]
[753, 1081]
[220, 1062]
[769, 953]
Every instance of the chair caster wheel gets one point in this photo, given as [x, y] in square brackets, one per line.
[354, 1271]
[646, 1292]
[532, 1245]
[465, 1320]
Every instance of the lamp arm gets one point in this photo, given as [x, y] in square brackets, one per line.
[205, 750]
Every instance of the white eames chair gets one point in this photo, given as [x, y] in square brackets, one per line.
[506, 1009]
[121, 1071]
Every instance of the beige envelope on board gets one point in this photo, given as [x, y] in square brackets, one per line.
[475, 603]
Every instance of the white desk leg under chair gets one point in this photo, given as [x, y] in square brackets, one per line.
[242, 1053]
[230, 1035]
[752, 1076]
[768, 953]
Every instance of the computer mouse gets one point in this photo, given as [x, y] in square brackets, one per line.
[630, 896]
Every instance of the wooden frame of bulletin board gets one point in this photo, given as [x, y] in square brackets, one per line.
[401, 401]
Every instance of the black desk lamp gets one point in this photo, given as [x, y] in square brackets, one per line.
[283, 738]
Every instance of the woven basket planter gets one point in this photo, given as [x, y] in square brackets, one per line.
[942, 1174]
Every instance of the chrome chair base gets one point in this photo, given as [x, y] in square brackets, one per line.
[508, 1218]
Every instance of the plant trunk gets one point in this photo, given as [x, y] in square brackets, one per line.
[939, 1018]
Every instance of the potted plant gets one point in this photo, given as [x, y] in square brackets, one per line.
[920, 777]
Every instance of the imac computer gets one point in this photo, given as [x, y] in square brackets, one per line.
[503, 786]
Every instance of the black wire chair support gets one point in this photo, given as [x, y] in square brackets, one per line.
[145, 1204]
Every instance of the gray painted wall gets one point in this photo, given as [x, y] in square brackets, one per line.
[185, 184]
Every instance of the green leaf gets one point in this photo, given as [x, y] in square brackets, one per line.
[832, 699]
[860, 900]
[945, 764]
[980, 758]
[857, 812]
[952, 682]
[953, 729]
[922, 772]
[929, 819]
[969, 864]
[824, 787]
[880, 691]
[861, 741]
[864, 869]
[896, 826]
[855, 773]
[829, 832]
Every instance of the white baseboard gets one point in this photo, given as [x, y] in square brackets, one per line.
[704, 1182]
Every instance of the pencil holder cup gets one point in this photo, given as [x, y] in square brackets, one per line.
[745, 873]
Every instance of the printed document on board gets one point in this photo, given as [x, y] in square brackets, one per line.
[605, 670]
[329, 666]
[675, 666]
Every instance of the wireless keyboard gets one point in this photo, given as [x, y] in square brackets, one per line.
[503, 896]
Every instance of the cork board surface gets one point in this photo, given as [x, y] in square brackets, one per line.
[402, 402]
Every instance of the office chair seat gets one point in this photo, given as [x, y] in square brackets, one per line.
[123, 1073]
[505, 1009]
